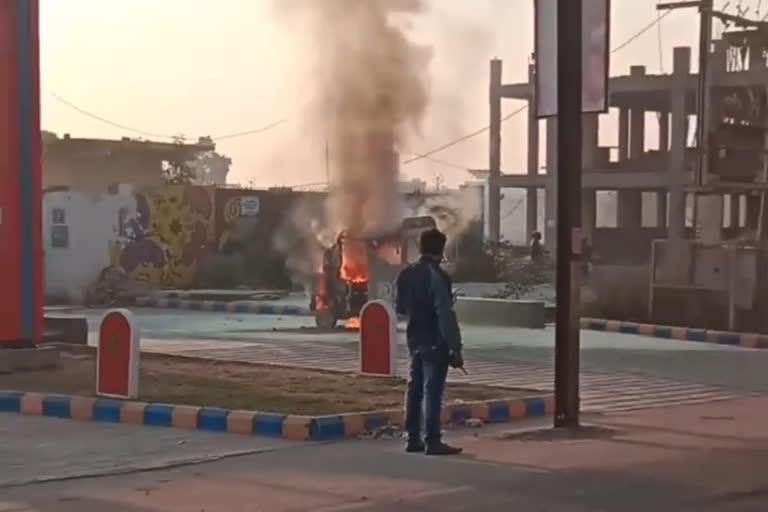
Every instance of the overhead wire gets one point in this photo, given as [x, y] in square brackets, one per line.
[155, 135]
[421, 156]
[272, 125]
[641, 32]
[108, 121]
[630, 40]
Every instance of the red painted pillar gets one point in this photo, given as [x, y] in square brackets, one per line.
[21, 255]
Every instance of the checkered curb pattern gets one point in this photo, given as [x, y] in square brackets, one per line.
[290, 427]
[244, 306]
[678, 333]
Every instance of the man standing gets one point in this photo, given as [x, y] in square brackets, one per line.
[424, 296]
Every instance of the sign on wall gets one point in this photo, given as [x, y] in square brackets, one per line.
[59, 216]
[595, 57]
[249, 206]
[60, 237]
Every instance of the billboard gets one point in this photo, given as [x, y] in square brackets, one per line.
[595, 56]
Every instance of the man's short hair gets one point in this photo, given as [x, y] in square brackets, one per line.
[432, 242]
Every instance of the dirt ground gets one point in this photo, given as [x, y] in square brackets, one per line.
[176, 380]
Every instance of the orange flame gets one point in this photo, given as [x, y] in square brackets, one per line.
[353, 324]
[354, 261]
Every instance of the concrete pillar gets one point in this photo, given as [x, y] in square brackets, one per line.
[630, 207]
[623, 134]
[494, 154]
[590, 124]
[710, 218]
[589, 156]
[735, 211]
[550, 212]
[719, 57]
[756, 59]
[676, 172]
[664, 131]
[661, 209]
[588, 213]
[637, 122]
[753, 212]
[532, 196]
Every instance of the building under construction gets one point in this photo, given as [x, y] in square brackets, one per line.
[688, 237]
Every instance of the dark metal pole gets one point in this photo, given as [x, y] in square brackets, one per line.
[569, 76]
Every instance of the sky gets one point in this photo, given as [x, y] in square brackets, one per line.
[221, 67]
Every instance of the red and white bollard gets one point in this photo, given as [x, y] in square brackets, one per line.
[117, 356]
[378, 339]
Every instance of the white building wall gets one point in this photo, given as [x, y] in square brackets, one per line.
[79, 229]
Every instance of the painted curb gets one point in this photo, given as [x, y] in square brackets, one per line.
[735, 339]
[290, 427]
[243, 307]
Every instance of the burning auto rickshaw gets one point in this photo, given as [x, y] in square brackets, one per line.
[358, 269]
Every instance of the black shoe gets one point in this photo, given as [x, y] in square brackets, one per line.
[415, 447]
[443, 449]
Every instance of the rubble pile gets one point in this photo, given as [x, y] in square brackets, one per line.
[115, 287]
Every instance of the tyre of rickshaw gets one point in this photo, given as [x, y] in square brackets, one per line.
[325, 319]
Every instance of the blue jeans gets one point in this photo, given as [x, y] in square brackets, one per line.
[426, 383]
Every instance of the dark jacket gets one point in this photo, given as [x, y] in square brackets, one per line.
[424, 296]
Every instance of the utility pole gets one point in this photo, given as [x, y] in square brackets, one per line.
[703, 103]
[569, 239]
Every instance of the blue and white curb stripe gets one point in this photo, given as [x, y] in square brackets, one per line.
[291, 427]
[737, 339]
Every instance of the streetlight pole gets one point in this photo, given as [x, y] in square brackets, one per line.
[569, 239]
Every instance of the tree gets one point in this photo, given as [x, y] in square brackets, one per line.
[177, 172]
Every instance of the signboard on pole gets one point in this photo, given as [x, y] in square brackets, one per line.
[117, 356]
[596, 22]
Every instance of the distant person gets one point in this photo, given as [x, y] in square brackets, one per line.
[537, 251]
[424, 296]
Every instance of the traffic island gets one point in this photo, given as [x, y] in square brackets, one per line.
[299, 404]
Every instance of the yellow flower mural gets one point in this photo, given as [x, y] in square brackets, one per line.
[169, 234]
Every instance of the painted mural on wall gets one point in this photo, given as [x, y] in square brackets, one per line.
[167, 236]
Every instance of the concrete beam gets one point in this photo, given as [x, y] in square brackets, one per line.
[622, 85]
[602, 179]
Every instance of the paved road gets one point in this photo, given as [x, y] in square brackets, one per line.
[632, 471]
[620, 371]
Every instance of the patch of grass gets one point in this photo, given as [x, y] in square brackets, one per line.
[177, 380]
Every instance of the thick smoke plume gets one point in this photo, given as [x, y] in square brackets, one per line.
[372, 92]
